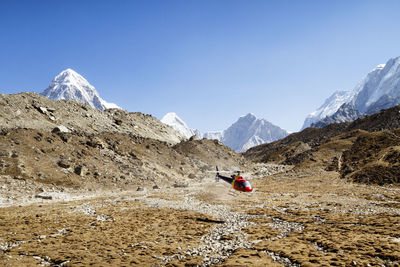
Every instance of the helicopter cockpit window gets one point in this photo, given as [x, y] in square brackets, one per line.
[246, 184]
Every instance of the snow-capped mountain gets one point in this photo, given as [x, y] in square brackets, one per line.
[173, 120]
[346, 112]
[213, 135]
[248, 131]
[379, 89]
[380, 84]
[330, 106]
[70, 85]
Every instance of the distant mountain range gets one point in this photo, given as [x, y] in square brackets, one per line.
[379, 89]
[70, 85]
[246, 132]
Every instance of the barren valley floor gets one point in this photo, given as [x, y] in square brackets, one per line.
[294, 218]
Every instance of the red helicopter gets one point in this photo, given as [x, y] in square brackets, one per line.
[237, 181]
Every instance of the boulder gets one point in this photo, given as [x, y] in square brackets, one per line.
[61, 129]
[64, 164]
[42, 110]
[80, 170]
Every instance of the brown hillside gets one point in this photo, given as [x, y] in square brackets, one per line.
[373, 158]
[388, 119]
[111, 149]
[353, 148]
[34, 111]
[56, 162]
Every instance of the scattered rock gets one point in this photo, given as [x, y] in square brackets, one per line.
[44, 197]
[118, 122]
[42, 110]
[64, 163]
[61, 129]
[95, 142]
[80, 170]
[132, 155]
[180, 185]
[5, 154]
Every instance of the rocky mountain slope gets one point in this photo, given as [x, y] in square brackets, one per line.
[379, 89]
[330, 147]
[72, 86]
[62, 145]
[33, 111]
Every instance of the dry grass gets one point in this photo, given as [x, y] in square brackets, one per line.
[305, 217]
[123, 233]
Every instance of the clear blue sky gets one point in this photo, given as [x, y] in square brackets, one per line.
[209, 61]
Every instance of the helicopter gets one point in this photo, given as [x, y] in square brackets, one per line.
[237, 181]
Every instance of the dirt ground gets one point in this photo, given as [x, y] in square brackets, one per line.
[294, 218]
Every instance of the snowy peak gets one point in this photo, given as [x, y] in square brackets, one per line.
[248, 131]
[379, 89]
[248, 117]
[330, 106]
[71, 85]
[69, 76]
[173, 120]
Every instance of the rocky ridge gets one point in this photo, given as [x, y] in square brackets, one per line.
[33, 111]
